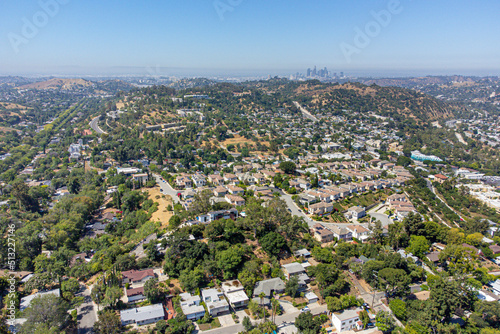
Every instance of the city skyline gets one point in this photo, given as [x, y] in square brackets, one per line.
[392, 38]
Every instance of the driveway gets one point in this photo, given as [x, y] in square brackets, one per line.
[288, 308]
[286, 319]
[87, 315]
[226, 320]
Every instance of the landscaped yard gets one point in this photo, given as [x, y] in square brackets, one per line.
[214, 324]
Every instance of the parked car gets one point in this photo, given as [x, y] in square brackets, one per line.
[306, 309]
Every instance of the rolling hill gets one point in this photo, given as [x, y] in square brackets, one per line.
[58, 83]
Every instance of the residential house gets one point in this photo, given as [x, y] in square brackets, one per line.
[405, 255]
[397, 198]
[137, 276]
[234, 190]
[268, 174]
[304, 184]
[269, 287]
[191, 306]
[359, 232]
[433, 257]
[343, 193]
[296, 269]
[302, 253]
[182, 182]
[235, 200]
[238, 169]
[199, 180]
[230, 178]
[321, 233]
[135, 295]
[142, 177]
[307, 199]
[334, 195]
[320, 208]
[341, 233]
[235, 294]
[311, 297]
[347, 320]
[220, 214]
[320, 195]
[259, 178]
[143, 315]
[440, 178]
[220, 191]
[78, 258]
[355, 213]
[495, 249]
[215, 302]
[216, 179]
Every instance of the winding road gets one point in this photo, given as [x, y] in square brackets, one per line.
[93, 124]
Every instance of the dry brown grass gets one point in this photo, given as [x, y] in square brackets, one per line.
[8, 105]
[120, 105]
[161, 215]
[4, 129]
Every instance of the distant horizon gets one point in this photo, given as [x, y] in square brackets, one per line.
[164, 72]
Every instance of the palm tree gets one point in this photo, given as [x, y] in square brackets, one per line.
[261, 296]
[275, 304]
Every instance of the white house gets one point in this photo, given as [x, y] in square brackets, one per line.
[355, 213]
[347, 320]
[191, 307]
[143, 315]
[199, 180]
[215, 301]
[359, 232]
[142, 177]
[235, 294]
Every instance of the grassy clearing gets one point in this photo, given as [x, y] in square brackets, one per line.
[161, 215]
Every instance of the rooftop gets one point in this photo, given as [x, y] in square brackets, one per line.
[143, 313]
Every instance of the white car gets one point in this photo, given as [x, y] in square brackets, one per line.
[305, 309]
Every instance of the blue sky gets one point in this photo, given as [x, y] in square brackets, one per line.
[278, 36]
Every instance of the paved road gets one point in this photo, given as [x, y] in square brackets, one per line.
[288, 318]
[295, 211]
[382, 217]
[93, 124]
[86, 312]
[305, 112]
[166, 188]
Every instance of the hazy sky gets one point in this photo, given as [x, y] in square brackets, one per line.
[275, 36]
